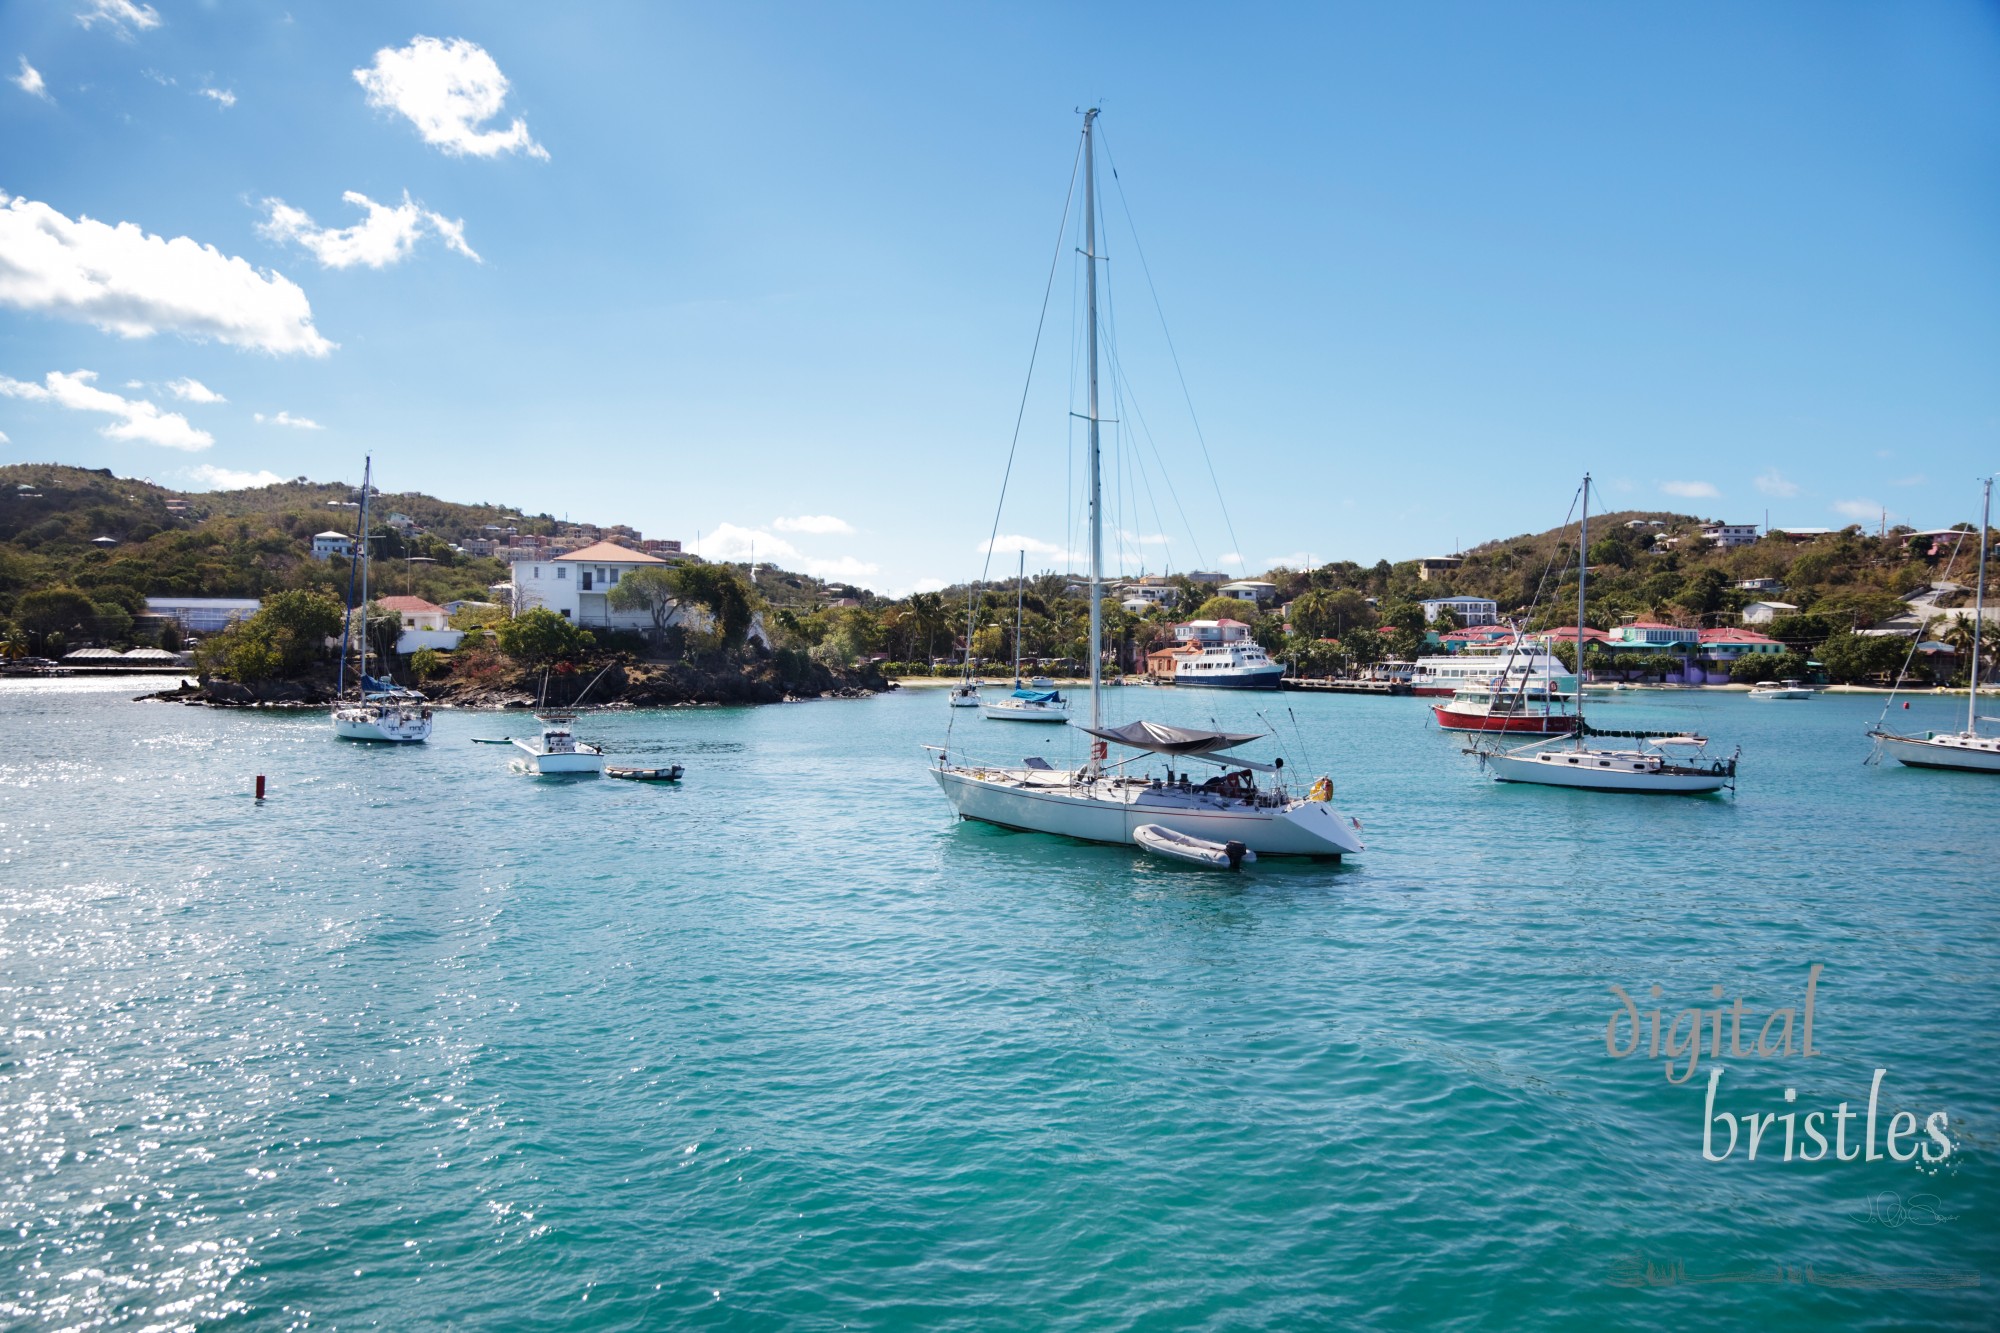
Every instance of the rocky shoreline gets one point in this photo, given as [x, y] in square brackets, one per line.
[621, 684]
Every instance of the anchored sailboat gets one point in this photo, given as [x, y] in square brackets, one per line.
[380, 710]
[1660, 762]
[1965, 750]
[1025, 704]
[1106, 802]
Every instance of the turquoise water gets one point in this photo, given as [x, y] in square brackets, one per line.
[419, 1042]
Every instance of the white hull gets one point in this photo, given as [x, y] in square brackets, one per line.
[1968, 754]
[965, 697]
[543, 764]
[397, 725]
[1003, 711]
[1781, 694]
[1602, 770]
[1108, 810]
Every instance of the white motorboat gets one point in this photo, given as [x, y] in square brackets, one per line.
[1967, 751]
[1782, 689]
[1107, 802]
[1239, 664]
[1653, 765]
[1513, 664]
[557, 751]
[380, 710]
[965, 695]
[1163, 841]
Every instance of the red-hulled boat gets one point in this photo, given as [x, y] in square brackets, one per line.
[1534, 712]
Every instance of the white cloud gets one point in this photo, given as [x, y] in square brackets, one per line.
[1859, 510]
[729, 542]
[223, 97]
[137, 420]
[1914, 479]
[382, 238]
[287, 419]
[3, 438]
[127, 282]
[1230, 558]
[1691, 490]
[818, 525]
[447, 90]
[215, 478]
[1141, 538]
[1014, 541]
[189, 391]
[123, 16]
[1296, 560]
[30, 82]
[1774, 483]
[845, 567]
[930, 585]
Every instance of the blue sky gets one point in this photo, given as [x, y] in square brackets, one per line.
[771, 272]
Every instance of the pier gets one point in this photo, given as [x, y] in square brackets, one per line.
[1329, 686]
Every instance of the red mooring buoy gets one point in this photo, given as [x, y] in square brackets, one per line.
[260, 786]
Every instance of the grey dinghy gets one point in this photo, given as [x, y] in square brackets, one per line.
[1163, 841]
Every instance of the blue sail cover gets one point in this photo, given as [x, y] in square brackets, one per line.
[370, 685]
[1039, 696]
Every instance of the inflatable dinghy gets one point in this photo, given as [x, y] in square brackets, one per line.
[1163, 841]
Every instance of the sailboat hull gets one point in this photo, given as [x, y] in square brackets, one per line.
[1109, 811]
[394, 725]
[1593, 771]
[1967, 754]
[1002, 711]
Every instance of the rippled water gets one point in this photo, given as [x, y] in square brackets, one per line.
[418, 1041]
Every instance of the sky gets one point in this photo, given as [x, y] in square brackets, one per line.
[1381, 281]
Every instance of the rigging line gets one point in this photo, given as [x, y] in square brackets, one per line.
[1896, 685]
[1021, 412]
[1166, 475]
[1172, 351]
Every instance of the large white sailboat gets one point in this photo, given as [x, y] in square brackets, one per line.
[1108, 802]
[379, 710]
[1968, 750]
[1027, 703]
[1659, 763]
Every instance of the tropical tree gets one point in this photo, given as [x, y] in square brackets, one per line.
[1226, 608]
[426, 663]
[721, 592]
[54, 611]
[928, 618]
[539, 637]
[651, 589]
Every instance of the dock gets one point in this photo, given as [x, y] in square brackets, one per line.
[1345, 686]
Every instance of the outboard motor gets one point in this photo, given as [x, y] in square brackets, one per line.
[1234, 851]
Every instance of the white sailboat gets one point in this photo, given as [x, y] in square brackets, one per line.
[965, 694]
[1107, 802]
[1968, 750]
[1037, 702]
[1672, 765]
[380, 710]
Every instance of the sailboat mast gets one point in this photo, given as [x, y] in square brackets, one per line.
[1096, 477]
[1978, 614]
[1020, 576]
[367, 486]
[1582, 580]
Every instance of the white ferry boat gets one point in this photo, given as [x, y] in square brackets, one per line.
[1220, 654]
[1500, 665]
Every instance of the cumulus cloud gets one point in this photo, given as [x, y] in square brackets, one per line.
[818, 525]
[135, 420]
[222, 96]
[287, 419]
[210, 477]
[1691, 490]
[384, 237]
[1014, 541]
[3, 438]
[133, 284]
[189, 391]
[29, 81]
[1774, 483]
[1858, 510]
[731, 542]
[123, 17]
[448, 90]
[1230, 558]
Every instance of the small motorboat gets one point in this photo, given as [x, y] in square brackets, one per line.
[671, 773]
[965, 695]
[1784, 689]
[1163, 841]
[557, 752]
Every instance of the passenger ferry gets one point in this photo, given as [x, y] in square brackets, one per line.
[1442, 677]
[1241, 665]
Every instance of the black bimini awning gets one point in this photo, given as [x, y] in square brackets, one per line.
[1163, 739]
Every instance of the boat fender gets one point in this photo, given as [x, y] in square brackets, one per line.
[1718, 768]
[1322, 789]
[1234, 851]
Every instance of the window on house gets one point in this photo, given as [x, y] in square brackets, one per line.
[562, 571]
[614, 576]
[586, 580]
[538, 571]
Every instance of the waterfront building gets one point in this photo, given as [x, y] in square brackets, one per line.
[326, 545]
[1469, 610]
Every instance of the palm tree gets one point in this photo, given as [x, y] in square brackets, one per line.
[929, 618]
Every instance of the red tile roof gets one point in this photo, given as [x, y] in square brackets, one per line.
[414, 605]
[1735, 636]
[611, 553]
[1567, 633]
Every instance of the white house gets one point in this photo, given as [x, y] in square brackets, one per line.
[1728, 535]
[1763, 613]
[1470, 611]
[1201, 633]
[329, 544]
[423, 625]
[577, 586]
[1250, 590]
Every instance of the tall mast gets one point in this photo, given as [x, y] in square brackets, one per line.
[1096, 479]
[1582, 579]
[367, 471]
[1978, 613]
[1020, 577]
